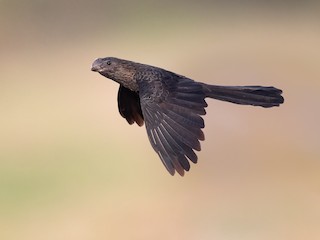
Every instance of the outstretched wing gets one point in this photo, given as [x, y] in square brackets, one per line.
[129, 106]
[171, 107]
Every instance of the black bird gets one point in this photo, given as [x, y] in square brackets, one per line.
[171, 105]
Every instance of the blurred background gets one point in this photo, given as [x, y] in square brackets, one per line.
[72, 168]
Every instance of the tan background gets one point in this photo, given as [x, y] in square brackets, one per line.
[72, 168]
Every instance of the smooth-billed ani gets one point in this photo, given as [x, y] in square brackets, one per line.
[171, 105]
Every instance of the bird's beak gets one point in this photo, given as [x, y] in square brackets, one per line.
[94, 69]
[96, 65]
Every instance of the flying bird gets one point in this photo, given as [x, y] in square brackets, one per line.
[171, 105]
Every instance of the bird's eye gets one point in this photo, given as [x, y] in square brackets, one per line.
[108, 62]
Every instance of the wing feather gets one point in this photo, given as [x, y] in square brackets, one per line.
[172, 111]
[180, 147]
[129, 106]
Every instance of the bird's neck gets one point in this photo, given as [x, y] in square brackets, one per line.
[125, 76]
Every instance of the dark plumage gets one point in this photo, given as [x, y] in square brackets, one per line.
[171, 105]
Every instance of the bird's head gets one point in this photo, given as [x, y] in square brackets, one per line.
[106, 65]
[119, 70]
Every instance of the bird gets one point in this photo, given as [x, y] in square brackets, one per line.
[172, 106]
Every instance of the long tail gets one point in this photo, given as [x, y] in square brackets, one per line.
[246, 95]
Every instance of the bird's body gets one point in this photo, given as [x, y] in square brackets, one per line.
[171, 105]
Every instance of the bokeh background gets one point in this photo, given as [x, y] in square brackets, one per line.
[72, 168]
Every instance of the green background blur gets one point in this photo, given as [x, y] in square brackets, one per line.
[72, 168]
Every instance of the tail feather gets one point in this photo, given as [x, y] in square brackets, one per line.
[246, 95]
